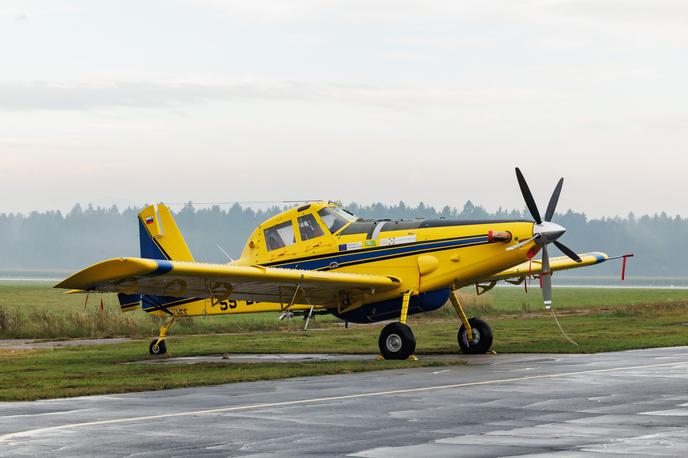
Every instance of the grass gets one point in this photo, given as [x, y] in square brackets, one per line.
[598, 319]
[515, 301]
[34, 310]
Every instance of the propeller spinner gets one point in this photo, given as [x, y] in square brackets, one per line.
[544, 233]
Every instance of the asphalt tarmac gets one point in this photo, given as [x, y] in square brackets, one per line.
[632, 403]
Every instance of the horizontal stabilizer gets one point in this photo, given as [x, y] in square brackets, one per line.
[129, 302]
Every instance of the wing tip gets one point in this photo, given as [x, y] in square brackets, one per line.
[112, 269]
[599, 256]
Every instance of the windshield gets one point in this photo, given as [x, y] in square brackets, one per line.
[344, 213]
[335, 218]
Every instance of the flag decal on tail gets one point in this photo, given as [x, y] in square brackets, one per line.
[149, 220]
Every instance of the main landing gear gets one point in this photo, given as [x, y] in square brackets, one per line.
[396, 339]
[398, 342]
[481, 340]
[158, 346]
[475, 335]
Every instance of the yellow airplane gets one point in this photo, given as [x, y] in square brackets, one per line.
[319, 258]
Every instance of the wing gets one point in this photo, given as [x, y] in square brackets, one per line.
[222, 281]
[556, 263]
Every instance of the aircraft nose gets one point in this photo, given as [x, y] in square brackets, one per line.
[549, 232]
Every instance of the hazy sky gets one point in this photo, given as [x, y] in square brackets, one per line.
[209, 100]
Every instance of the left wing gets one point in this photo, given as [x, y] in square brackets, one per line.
[222, 281]
[557, 263]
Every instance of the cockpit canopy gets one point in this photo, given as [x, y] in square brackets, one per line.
[305, 223]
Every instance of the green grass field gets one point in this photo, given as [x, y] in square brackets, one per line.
[34, 310]
[598, 319]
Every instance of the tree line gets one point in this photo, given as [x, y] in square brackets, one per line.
[82, 236]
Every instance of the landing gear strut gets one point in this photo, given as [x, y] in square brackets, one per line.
[158, 346]
[396, 339]
[475, 335]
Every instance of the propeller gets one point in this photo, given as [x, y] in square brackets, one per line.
[544, 233]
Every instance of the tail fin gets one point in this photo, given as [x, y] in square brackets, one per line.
[160, 237]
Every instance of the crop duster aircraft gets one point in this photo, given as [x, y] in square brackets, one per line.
[320, 258]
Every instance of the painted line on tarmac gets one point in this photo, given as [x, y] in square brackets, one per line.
[30, 432]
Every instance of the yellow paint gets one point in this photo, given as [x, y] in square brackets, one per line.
[171, 238]
[404, 306]
[427, 264]
[150, 220]
[454, 297]
[165, 329]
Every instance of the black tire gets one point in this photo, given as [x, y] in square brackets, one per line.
[159, 349]
[396, 341]
[482, 337]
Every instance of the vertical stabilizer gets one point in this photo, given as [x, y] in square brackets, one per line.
[160, 237]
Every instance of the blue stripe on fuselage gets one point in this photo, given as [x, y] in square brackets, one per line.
[370, 255]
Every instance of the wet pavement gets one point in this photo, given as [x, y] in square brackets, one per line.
[633, 403]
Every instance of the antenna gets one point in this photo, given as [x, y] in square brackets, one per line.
[244, 202]
[223, 251]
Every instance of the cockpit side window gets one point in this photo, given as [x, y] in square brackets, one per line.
[309, 227]
[333, 221]
[279, 236]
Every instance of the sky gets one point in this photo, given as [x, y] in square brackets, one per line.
[130, 102]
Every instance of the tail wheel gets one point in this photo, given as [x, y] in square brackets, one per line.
[156, 348]
[397, 341]
[482, 337]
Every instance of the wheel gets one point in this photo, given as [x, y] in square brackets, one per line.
[397, 341]
[157, 348]
[482, 337]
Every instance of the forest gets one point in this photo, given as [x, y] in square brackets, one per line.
[84, 235]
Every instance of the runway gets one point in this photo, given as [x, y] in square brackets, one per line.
[632, 403]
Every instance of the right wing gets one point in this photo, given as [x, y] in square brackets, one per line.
[534, 267]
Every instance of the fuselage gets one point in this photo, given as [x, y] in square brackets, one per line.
[428, 257]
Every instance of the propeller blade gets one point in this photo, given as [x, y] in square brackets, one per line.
[546, 277]
[568, 251]
[524, 242]
[553, 201]
[528, 197]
